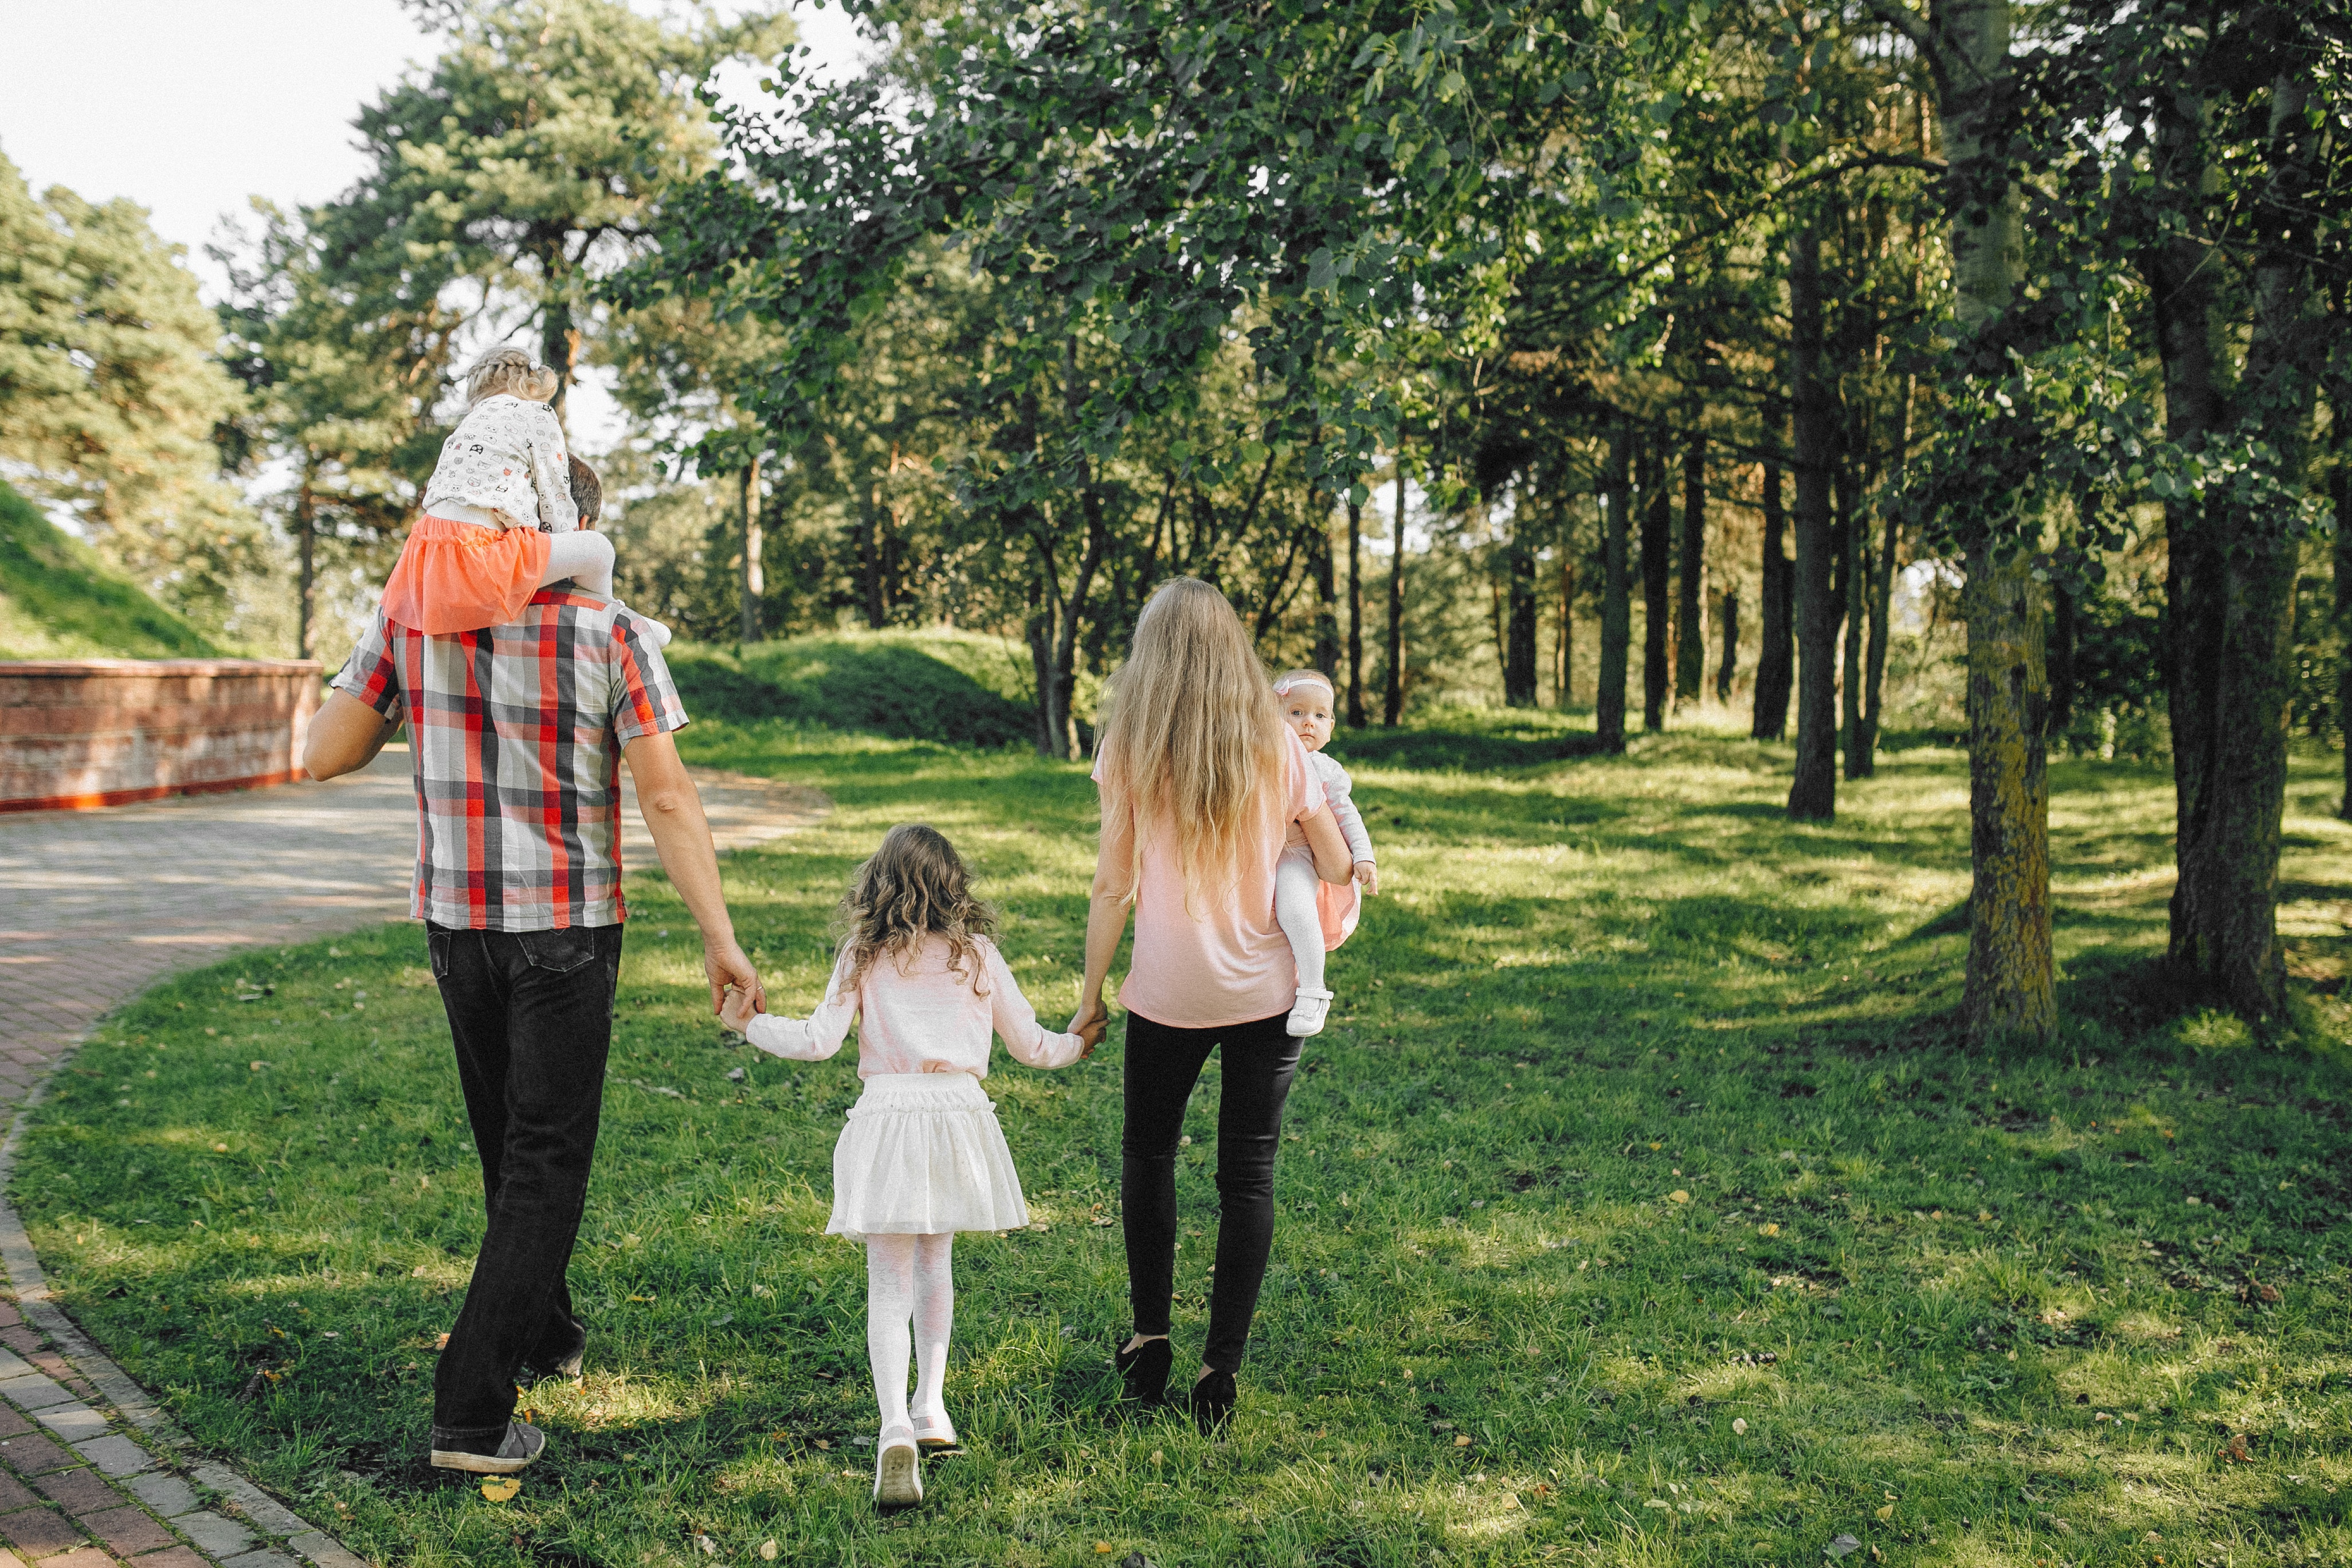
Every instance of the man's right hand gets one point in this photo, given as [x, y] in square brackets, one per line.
[727, 964]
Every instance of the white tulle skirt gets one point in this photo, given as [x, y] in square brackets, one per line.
[922, 1154]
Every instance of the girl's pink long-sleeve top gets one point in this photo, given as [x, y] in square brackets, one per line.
[922, 1018]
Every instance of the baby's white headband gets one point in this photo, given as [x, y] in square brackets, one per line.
[1290, 683]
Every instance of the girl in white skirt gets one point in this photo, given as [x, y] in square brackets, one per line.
[922, 1157]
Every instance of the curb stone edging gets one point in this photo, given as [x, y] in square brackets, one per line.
[218, 1537]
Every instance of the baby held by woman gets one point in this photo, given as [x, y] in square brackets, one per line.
[508, 512]
[1315, 915]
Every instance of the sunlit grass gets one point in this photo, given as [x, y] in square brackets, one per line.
[1638, 1207]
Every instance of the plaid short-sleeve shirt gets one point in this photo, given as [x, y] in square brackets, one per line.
[515, 733]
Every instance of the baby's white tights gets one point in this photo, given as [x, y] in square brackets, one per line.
[1293, 910]
[909, 1278]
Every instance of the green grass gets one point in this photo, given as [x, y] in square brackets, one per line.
[1962, 1304]
[956, 688]
[58, 600]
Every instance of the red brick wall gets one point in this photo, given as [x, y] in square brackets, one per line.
[102, 732]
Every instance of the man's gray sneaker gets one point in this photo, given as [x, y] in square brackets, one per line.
[524, 1443]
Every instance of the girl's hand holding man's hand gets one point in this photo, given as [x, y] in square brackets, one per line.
[742, 1004]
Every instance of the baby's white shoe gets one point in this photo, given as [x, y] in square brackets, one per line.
[1306, 1014]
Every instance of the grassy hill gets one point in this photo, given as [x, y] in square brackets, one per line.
[58, 600]
[949, 687]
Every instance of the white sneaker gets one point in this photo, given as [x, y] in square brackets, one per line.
[934, 1432]
[897, 1470]
[1306, 1014]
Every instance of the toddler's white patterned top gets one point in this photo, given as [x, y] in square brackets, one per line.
[507, 453]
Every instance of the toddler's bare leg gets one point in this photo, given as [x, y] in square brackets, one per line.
[585, 558]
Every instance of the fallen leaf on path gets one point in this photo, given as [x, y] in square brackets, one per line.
[1678, 1196]
[1886, 1513]
[1841, 1545]
[502, 1491]
[767, 1550]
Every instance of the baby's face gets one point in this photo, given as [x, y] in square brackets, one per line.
[1308, 710]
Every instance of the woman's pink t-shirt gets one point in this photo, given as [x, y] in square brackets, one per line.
[1220, 962]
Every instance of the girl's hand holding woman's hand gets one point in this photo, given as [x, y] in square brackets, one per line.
[1090, 1023]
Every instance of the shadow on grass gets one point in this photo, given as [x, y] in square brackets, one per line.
[1459, 751]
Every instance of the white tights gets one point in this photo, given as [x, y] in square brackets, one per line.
[910, 1276]
[1293, 910]
[586, 558]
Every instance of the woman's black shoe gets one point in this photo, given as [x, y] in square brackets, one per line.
[1144, 1369]
[1212, 1402]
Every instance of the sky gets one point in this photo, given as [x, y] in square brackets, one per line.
[191, 108]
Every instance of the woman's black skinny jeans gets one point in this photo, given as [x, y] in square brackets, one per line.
[1162, 1064]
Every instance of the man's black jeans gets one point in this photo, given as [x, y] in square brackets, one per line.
[1162, 1064]
[531, 1016]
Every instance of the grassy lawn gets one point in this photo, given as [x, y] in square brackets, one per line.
[1637, 1208]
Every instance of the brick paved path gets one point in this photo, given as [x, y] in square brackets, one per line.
[94, 908]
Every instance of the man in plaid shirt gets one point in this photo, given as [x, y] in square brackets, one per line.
[518, 734]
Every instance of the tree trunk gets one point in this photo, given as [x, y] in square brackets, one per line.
[2237, 675]
[1616, 592]
[1730, 665]
[1657, 567]
[2061, 660]
[1882, 596]
[2339, 491]
[1520, 629]
[1355, 615]
[1853, 577]
[2011, 979]
[1392, 699]
[1564, 650]
[306, 540]
[871, 589]
[559, 335]
[1690, 634]
[1326, 600]
[1776, 656]
[1812, 794]
[755, 579]
[1874, 670]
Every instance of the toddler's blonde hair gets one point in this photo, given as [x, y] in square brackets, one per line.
[511, 371]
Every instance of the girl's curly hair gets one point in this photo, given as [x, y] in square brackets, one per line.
[913, 886]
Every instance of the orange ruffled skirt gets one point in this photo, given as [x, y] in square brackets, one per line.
[460, 577]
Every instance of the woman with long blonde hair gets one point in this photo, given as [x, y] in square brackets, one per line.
[1200, 782]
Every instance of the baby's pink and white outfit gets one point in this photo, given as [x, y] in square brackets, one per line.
[922, 1156]
[1315, 915]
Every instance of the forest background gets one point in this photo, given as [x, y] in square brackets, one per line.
[1853, 371]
